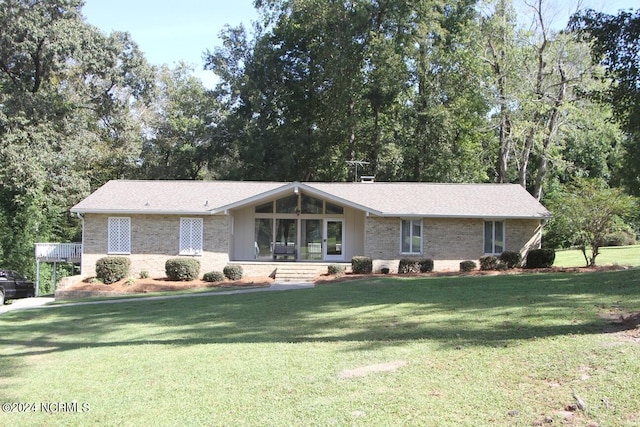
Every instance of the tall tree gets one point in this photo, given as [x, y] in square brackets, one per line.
[615, 43]
[65, 124]
[586, 211]
[186, 137]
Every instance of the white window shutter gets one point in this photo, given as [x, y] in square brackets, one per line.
[119, 235]
[191, 236]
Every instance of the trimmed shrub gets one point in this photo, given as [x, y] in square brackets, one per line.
[619, 238]
[426, 265]
[213, 276]
[384, 270]
[182, 269]
[540, 258]
[467, 266]
[510, 259]
[489, 262]
[408, 265]
[144, 274]
[335, 269]
[111, 269]
[233, 271]
[361, 265]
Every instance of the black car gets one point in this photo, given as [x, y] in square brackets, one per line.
[14, 285]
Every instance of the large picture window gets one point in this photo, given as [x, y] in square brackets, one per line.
[190, 236]
[119, 235]
[493, 237]
[411, 236]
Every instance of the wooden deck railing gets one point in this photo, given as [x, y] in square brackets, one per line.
[58, 252]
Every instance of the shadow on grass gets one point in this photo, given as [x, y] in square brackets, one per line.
[451, 311]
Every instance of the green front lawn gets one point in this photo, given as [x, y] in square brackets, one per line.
[621, 255]
[448, 351]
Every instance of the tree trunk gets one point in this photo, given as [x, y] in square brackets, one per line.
[552, 128]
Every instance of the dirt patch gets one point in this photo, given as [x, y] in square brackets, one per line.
[370, 369]
[138, 286]
[625, 325]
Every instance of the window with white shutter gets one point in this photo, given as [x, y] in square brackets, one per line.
[119, 235]
[190, 236]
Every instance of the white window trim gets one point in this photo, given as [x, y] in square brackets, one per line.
[493, 237]
[191, 250]
[126, 234]
[419, 252]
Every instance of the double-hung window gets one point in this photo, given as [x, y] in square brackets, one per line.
[411, 236]
[493, 237]
[119, 235]
[190, 236]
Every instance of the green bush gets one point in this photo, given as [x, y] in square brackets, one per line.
[144, 274]
[233, 271]
[540, 258]
[335, 269]
[408, 265]
[182, 269]
[489, 262]
[466, 266]
[111, 269]
[384, 270]
[213, 276]
[510, 259]
[426, 265]
[619, 238]
[361, 265]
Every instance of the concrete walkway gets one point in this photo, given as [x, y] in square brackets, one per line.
[41, 302]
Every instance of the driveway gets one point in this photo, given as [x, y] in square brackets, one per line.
[40, 302]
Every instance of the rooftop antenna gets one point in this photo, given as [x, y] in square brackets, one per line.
[357, 163]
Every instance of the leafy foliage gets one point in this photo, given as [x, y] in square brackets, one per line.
[361, 265]
[182, 269]
[233, 271]
[213, 276]
[111, 269]
[615, 41]
[584, 213]
[467, 266]
[510, 259]
[335, 269]
[66, 125]
[489, 262]
[540, 258]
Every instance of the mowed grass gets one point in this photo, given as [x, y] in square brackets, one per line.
[450, 351]
[620, 255]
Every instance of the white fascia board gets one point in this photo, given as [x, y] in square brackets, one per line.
[138, 212]
[491, 217]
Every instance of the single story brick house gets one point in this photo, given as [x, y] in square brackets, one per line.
[248, 222]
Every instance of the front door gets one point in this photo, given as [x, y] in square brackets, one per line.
[333, 240]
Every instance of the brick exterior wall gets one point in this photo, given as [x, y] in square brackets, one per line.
[154, 239]
[447, 241]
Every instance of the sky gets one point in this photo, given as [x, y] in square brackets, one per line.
[170, 31]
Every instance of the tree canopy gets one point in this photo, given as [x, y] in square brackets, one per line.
[436, 90]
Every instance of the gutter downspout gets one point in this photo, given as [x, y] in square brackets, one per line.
[81, 216]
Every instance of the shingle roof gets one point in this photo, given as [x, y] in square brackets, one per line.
[380, 198]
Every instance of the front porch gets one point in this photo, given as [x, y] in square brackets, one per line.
[288, 271]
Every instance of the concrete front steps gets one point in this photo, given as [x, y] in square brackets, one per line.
[288, 271]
